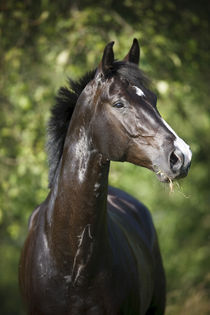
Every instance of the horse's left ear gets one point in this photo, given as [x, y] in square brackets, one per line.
[134, 53]
[106, 63]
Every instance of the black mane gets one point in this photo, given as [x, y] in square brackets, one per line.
[66, 100]
[61, 114]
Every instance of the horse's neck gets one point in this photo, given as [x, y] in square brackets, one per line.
[80, 196]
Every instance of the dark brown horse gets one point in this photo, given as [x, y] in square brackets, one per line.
[92, 249]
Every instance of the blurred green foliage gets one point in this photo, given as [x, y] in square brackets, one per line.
[41, 43]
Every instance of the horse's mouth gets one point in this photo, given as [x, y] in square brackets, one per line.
[162, 177]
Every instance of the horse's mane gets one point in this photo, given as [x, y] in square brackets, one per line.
[61, 114]
[63, 109]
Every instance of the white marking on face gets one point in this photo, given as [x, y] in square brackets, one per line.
[180, 144]
[139, 92]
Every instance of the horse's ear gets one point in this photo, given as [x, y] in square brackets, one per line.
[106, 63]
[134, 53]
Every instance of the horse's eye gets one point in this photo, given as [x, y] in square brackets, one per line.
[118, 105]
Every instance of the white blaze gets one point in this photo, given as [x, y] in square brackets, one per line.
[180, 144]
[139, 91]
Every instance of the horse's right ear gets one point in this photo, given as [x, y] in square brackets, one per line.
[106, 64]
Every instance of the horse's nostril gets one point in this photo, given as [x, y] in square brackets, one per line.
[173, 159]
[176, 160]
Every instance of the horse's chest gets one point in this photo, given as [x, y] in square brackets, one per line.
[91, 303]
[57, 294]
[64, 300]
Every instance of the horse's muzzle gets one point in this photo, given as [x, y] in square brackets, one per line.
[175, 166]
[180, 163]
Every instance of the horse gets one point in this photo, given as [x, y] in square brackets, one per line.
[93, 249]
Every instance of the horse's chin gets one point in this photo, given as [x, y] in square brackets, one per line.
[164, 178]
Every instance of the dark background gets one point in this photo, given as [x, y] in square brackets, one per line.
[41, 43]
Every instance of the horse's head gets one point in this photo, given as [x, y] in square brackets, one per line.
[125, 123]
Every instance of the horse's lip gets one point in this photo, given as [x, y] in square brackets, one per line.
[163, 177]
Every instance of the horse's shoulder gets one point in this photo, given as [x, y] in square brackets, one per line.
[121, 200]
[131, 214]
